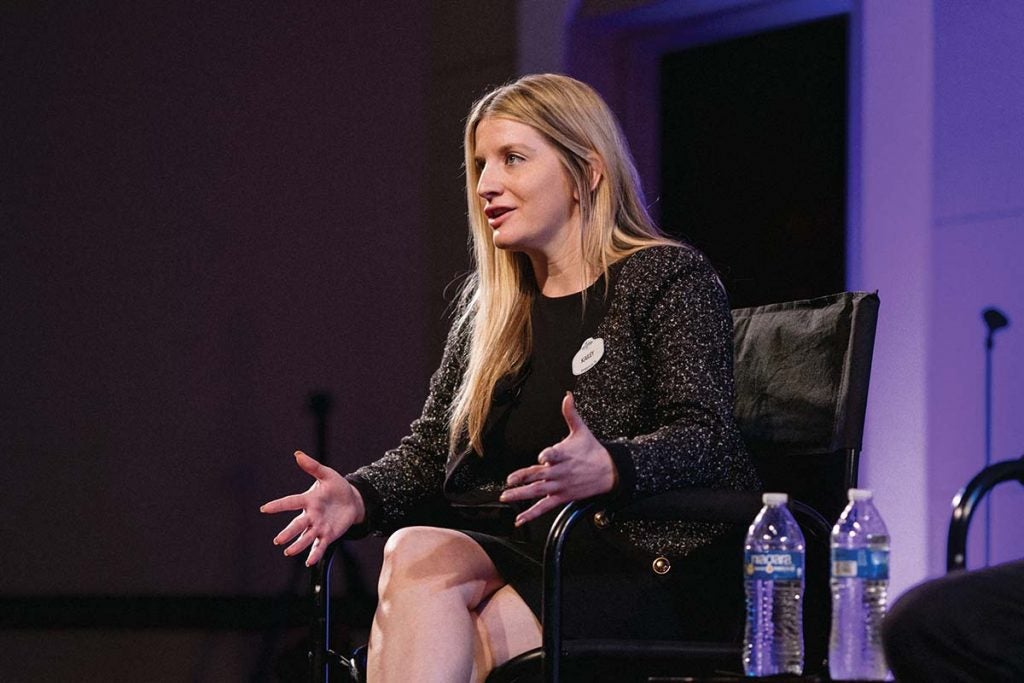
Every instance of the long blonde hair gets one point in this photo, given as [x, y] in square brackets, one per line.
[496, 300]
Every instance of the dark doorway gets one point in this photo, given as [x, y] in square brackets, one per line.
[754, 159]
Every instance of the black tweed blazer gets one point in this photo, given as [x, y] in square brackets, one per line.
[660, 399]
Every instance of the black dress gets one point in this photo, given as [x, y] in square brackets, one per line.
[533, 422]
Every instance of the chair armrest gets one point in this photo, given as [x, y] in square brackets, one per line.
[695, 505]
[714, 505]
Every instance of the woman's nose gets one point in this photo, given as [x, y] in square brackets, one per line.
[488, 185]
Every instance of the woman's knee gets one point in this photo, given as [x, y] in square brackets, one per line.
[431, 558]
[408, 547]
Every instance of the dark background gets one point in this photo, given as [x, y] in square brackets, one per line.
[210, 210]
[753, 159]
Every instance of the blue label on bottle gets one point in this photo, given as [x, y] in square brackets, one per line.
[860, 563]
[775, 565]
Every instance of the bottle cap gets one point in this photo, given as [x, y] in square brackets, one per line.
[775, 498]
[859, 494]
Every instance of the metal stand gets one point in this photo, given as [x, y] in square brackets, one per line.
[994, 321]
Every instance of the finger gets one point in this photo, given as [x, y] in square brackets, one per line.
[294, 528]
[529, 491]
[572, 418]
[304, 540]
[542, 506]
[316, 551]
[534, 473]
[527, 475]
[294, 502]
[551, 455]
[310, 466]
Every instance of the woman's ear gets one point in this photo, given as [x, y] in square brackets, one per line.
[596, 166]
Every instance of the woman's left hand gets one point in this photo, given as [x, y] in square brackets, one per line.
[576, 467]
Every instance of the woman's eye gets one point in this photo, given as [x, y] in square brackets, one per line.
[513, 159]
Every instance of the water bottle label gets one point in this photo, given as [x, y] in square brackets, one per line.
[780, 565]
[860, 563]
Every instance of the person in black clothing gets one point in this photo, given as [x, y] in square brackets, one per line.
[590, 356]
[964, 627]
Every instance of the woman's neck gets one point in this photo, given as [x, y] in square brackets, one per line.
[562, 276]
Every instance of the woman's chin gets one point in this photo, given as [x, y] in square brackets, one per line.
[507, 243]
[501, 241]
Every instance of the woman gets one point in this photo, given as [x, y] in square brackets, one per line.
[591, 356]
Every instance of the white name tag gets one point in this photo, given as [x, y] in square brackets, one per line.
[588, 355]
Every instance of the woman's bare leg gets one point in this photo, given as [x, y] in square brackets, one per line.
[507, 627]
[426, 627]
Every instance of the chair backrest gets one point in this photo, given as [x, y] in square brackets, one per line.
[802, 370]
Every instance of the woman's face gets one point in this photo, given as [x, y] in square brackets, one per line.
[526, 193]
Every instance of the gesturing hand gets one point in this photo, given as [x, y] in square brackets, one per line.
[329, 507]
[576, 467]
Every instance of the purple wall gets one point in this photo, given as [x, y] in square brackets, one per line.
[890, 208]
[978, 249]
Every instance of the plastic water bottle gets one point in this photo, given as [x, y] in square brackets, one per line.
[860, 581]
[774, 570]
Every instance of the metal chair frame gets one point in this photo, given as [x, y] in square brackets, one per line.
[966, 502]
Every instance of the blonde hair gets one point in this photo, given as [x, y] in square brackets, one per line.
[496, 300]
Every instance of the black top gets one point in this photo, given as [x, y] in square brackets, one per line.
[534, 421]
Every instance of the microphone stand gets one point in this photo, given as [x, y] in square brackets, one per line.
[994, 320]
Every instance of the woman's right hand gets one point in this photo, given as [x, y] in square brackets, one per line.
[328, 508]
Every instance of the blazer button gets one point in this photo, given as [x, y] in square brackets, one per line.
[602, 520]
[661, 565]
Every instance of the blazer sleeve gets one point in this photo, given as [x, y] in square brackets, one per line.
[411, 474]
[681, 321]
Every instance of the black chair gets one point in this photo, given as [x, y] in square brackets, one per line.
[802, 371]
[966, 501]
